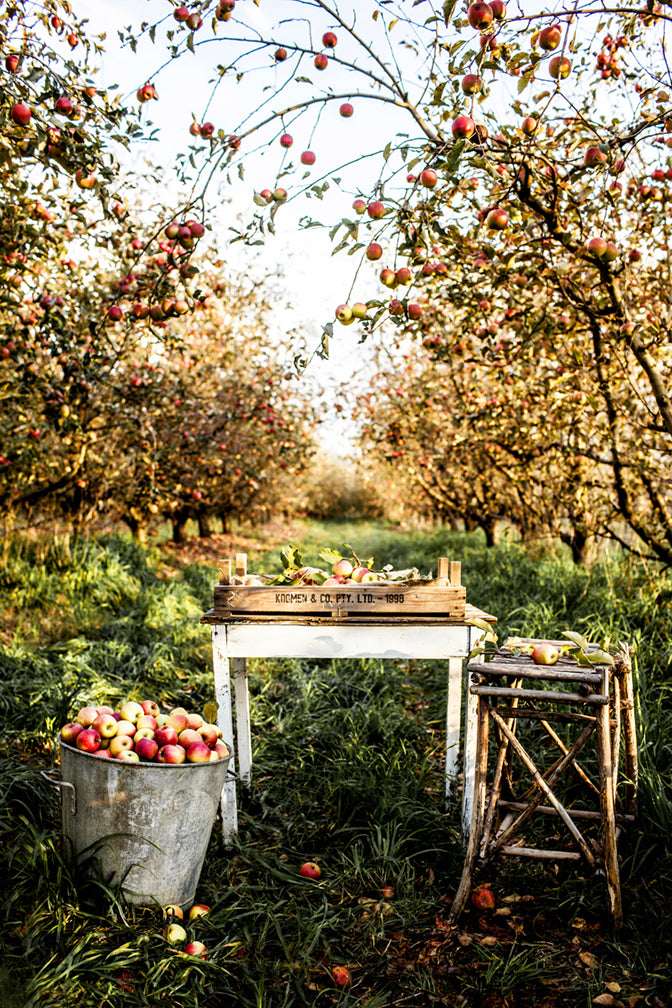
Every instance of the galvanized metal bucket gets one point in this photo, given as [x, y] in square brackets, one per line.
[143, 826]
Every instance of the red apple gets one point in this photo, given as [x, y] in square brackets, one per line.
[198, 752]
[482, 898]
[559, 67]
[196, 948]
[86, 716]
[198, 910]
[463, 126]
[286, 140]
[222, 749]
[545, 653]
[388, 277]
[115, 313]
[147, 721]
[375, 210]
[346, 110]
[497, 219]
[105, 725]
[85, 179]
[194, 720]
[341, 977]
[310, 870]
[166, 735]
[105, 753]
[171, 754]
[70, 731]
[597, 246]
[321, 61]
[88, 740]
[63, 105]
[329, 40]
[550, 37]
[359, 206]
[404, 276]
[471, 83]
[308, 158]
[206, 130]
[186, 737]
[415, 312]
[209, 734]
[342, 567]
[146, 748]
[125, 727]
[145, 93]
[479, 15]
[127, 756]
[21, 114]
[177, 719]
[12, 63]
[594, 156]
[374, 251]
[498, 8]
[279, 195]
[181, 13]
[344, 314]
[529, 125]
[428, 178]
[280, 55]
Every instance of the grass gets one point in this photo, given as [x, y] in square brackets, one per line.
[348, 772]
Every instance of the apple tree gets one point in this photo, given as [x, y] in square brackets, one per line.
[533, 142]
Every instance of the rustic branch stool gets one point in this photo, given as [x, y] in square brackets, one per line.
[596, 703]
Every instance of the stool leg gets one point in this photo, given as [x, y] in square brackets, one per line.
[607, 808]
[624, 672]
[480, 778]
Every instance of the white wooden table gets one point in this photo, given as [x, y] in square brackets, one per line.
[234, 641]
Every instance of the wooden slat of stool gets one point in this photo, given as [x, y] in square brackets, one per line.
[543, 785]
[607, 807]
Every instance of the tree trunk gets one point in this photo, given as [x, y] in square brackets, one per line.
[204, 526]
[491, 528]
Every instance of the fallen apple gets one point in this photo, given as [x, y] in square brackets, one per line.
[482, 898]
[310, 870]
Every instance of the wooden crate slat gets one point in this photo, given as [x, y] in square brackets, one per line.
[401, 599]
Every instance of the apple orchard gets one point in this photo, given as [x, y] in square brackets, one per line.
[510, 261]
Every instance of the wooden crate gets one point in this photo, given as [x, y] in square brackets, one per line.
[443, 597]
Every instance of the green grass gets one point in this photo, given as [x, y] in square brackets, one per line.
[347, 771]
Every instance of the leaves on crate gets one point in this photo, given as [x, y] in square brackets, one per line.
[291, 557]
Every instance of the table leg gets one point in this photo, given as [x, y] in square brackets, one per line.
[220, 659]
[469, 761]
[453, 715]
[240, 688]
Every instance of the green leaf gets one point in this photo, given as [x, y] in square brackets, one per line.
[330, 556]
[599, 657]
[291, 557]
[453, 158]
[577, 639]
[448, 11]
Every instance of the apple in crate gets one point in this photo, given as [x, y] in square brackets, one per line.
[125, 727]
[128, 756]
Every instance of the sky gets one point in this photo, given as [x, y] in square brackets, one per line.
[316, 281]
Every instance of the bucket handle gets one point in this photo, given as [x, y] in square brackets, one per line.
[54, 778]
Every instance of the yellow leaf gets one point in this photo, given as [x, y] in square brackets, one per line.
[589, 960]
